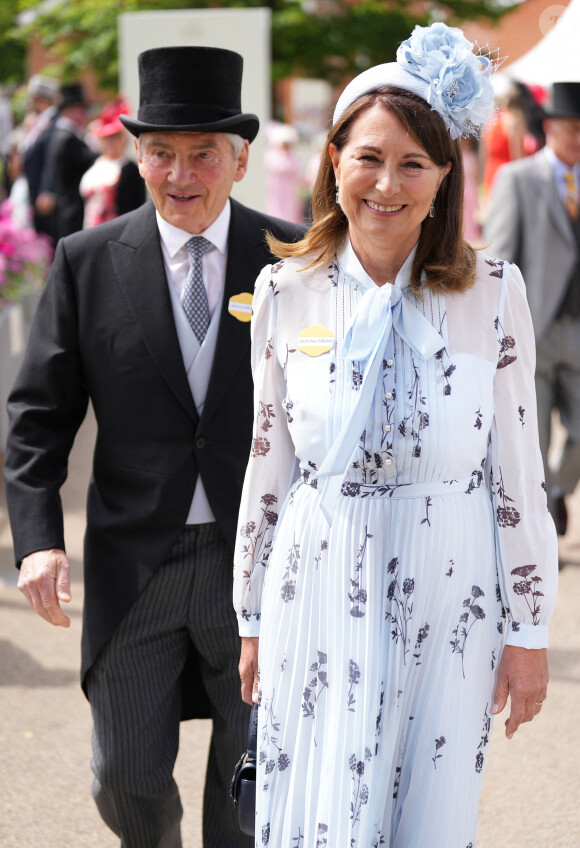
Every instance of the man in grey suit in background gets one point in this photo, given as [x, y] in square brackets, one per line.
[147, 316]
[533, 220]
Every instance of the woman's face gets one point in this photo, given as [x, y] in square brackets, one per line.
[386, 180]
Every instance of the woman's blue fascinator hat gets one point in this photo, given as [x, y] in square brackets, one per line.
[439, 64]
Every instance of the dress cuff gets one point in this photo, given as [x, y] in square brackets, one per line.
[527, 635]
[249, 628]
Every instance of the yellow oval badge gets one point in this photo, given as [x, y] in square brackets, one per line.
[315, 340]
[240, 306]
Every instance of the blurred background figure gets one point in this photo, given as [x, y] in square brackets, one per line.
[471, 211]
[283, 173]
[15, 182]
[39, 123]
[71, 157]
[112, 185]
[534, 220]
[516, 133]
[504, 138]
[310, 174]
[6, 119]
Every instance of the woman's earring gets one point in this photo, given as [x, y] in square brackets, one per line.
[432, 209]
[337, 195]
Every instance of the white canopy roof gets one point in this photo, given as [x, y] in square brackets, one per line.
[556, 58]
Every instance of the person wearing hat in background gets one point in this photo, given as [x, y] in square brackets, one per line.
[71, 156]
[147, 317]
[112, 185]
[42, 97]
[533, 220]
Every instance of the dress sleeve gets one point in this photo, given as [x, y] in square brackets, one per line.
[526, 542]
[272, 463]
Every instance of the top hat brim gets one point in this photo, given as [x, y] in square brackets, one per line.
[573, 114]
[244, 124]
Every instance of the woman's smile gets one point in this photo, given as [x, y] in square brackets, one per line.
[378, 207]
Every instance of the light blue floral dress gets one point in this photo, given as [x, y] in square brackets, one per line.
[384, 571]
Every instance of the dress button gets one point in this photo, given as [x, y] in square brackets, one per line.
[389, 395]
[389, 362]
[388, 461]
[387, 428]
[200, 443]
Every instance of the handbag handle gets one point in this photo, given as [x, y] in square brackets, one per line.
[253, 732]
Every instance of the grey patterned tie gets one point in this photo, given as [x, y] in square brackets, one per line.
[194, 301]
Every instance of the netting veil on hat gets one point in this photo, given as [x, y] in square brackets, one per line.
[438, 64]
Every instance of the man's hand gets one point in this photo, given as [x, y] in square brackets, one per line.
[45, 203]
[248, 669]
[45, 581]
[523, 674]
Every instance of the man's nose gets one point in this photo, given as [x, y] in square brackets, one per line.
[183, 169]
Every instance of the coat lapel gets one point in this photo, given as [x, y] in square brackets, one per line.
[546, 186]
[138, 264]
[247, 255]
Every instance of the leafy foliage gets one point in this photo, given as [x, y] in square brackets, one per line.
[324, 39]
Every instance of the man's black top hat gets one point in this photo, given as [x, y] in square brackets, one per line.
[71, 95]
[565, 101]
[191, 89]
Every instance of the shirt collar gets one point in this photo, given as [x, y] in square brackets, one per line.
[560, 168]
[350, 264]
[174, 238]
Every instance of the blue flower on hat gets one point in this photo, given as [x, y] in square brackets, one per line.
[458, 81]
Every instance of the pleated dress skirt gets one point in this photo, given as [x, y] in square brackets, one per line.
[379, 645]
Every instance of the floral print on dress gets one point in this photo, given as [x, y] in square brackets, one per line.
[483, 742]
[351, 649]
[506, 343]
[357, 595]
[473, 613]
[316, 686]
[400, 609]
[529, 589]
[507, 516]
[360, 789]
[439, 743]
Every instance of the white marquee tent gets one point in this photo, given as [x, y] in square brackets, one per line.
[556, 58]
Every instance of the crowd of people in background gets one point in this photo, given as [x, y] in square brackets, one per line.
[66, 164]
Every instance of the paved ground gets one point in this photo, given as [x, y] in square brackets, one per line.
[531, 796]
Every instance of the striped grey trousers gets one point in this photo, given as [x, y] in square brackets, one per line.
[135, 699]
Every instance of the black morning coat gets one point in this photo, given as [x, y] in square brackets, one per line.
[104, 330]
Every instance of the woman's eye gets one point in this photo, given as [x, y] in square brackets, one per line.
[414, 166]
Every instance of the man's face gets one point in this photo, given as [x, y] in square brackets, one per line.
[189, 175]
[563, 136]
[77, 112]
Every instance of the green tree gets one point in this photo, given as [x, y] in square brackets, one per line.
[13, 51]
[326, 39]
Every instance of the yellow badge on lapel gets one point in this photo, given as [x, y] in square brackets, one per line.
[315, 340]
[240, 306]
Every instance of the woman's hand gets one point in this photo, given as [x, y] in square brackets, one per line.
[248, 669]
[523, 674]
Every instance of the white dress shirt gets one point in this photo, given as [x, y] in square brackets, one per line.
[176, 261]
[560, 169]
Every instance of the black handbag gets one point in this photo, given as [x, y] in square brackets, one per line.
[243, 788]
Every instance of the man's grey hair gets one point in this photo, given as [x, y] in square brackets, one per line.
[236, 141]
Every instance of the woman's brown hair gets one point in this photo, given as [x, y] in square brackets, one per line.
[442, 254]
